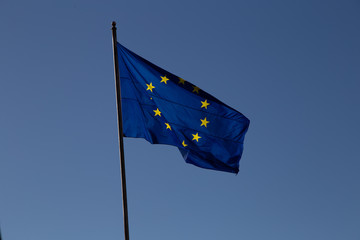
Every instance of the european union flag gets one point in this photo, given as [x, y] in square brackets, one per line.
[165, 109]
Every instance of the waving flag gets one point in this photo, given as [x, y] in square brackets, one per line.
[165, 109]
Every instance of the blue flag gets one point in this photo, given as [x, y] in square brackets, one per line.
[165, 109]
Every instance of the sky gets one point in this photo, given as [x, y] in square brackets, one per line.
[291, 67]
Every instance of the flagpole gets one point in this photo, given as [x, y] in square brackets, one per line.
[120, 128]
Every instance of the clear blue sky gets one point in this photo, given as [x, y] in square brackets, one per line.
[292, 67]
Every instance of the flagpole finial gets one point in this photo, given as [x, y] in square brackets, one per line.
[114, 24]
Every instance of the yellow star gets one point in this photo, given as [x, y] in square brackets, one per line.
[204, 104]
[164, 79]
[150, 87]
[182, 81]
[168, 126]
[204, 122]
[157, 112]
[184, 144]
[196, 137]
[196, 89]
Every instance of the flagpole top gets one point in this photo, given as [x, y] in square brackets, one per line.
[114, 24]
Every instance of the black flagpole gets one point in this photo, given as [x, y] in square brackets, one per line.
[121, 140]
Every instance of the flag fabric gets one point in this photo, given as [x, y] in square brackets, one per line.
[165, 109]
